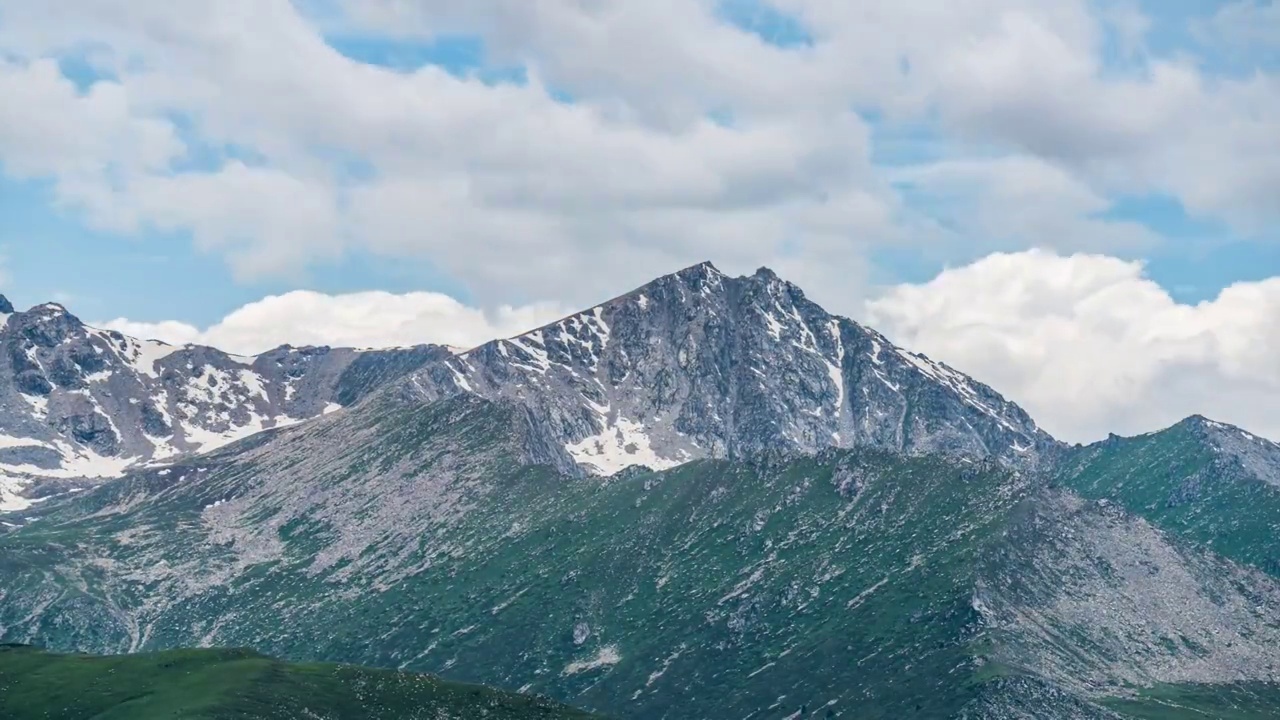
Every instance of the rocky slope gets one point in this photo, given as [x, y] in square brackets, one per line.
[77, 402]
[851, 583]
[701, 365]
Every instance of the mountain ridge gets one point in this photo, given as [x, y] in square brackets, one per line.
[708, 590]
[788, 374]
[79, 403]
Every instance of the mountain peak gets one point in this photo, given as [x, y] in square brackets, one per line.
[50, 308]
[6, 307]
[1215, 427]
[1200, 422]
[765, 273]
[698, 364]
[703, 268]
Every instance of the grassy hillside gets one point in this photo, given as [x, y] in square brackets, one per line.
[238, 685]
[1200, 480]
[851, 584]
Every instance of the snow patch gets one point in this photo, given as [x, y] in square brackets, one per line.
[608, 656]
[775, 327]
[205, 440]
[537, 355]
[617, 447]
[252, 382]
[10, 498]
[39, 405]
[836, 370]
[957, 382]
[460, 380]
[143, 355]
[8, 441]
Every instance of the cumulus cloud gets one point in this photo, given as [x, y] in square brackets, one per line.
[504, 186]
[364, 319]
[1089, 345]
[274, 150]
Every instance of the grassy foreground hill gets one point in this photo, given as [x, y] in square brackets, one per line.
[239, 685]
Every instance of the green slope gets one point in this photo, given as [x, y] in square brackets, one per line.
[853, 584]
[1197, 479]
[238, 685]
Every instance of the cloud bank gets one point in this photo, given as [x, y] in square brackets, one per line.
[613, 140]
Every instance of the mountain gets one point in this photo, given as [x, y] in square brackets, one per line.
[701, 365]
[852, 583]
[239, 685]
[704, 499]
[81, 403]
[1213, 483]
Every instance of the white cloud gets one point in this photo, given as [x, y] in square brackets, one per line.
[510, 190]
[1015, 201]
[1088, 345]
[364, 319]
[497, 185]
[88, 142]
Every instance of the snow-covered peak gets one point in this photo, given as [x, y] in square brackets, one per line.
[83, 402]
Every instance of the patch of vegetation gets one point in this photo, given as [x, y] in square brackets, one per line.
[238, 685]
[1243, 701]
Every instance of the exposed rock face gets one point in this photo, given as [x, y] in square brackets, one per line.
[79, 402]
[698, 364]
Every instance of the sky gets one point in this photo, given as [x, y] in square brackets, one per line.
[1077, 202]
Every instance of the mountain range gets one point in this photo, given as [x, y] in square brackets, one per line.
[693, 365]
[78, 403]
[707, 498]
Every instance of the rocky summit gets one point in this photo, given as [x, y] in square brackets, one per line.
[701, 365]
[707, 498]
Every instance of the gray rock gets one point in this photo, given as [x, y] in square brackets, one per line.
[698, 364]
[77, 401]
